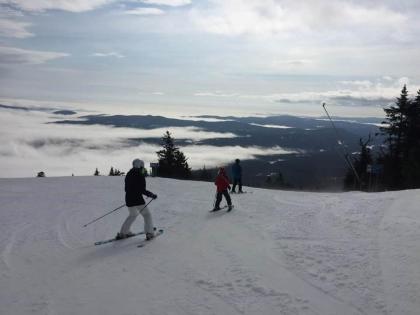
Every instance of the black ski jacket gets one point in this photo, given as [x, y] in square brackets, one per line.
[135, 188]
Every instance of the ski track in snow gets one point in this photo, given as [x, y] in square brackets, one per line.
[400, 254]
[342, 267]
[284, 302]
[277, 252]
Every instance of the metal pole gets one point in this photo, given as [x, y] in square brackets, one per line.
[147, 204]
[346, 155]
[103, 215]
[114, 211]
[215, 197]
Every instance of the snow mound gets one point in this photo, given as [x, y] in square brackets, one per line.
[277, 252]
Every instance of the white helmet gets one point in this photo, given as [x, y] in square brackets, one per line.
[137, 163]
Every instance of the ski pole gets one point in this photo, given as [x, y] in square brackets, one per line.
[103, 215]
[112, 212]
[146, 204]
[215, 198]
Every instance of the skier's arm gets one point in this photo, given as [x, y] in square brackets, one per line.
[149, 194]
[146, 192]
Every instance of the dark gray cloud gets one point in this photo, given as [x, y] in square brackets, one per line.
[347, 100]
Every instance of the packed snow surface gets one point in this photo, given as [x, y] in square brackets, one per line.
[277, 252]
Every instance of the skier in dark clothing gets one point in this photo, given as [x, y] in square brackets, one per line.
[237, 176]
[135, 188]
[223, 184]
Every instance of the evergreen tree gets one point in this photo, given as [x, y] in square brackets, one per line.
[111, 172]
[396, 132]
[117, 172]
[182, 169]
[411, 163]
[96, 172]
[172, 162]
[402, 159]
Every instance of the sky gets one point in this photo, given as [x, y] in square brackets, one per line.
[216, 56]
[190, 57]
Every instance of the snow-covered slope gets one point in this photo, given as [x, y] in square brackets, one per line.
[277, 252]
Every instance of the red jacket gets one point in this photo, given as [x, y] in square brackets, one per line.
[222, 181]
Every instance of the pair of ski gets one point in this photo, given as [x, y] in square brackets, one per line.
[141, 244]
[224, 207]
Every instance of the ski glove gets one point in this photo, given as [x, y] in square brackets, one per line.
[153, 196]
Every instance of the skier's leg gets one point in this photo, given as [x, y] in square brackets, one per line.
[218, 200]
[227, 196]
[234, 185]
[148, 221]
[133, 213]
[240, 184]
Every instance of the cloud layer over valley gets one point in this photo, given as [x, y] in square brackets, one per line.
[31, 143]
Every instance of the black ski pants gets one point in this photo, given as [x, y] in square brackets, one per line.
[219, 198]
[237, 181]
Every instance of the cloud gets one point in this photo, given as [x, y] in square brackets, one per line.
[109, 54]
[155, 93]
[216, 94]
[272, 126]
[64, 5]
[348, 100]
[172, 3]
[30, 145]
[88, 5]
[13, 28]
[296, 62]
[343, 97]
[358, 83]
[12, 55]
[145, 11]
[290, 18]
[380, 92]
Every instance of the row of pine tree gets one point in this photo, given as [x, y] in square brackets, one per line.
[397, 165]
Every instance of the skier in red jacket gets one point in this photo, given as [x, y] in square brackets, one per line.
[223, 184]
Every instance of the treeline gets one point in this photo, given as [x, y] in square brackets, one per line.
[112, 172]
[397, 164]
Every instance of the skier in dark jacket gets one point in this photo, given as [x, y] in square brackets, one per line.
[135, 188]
[223, 184]
[237, 176]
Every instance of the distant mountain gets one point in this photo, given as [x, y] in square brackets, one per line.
[41, 109]
[14, 107]
[318, 163]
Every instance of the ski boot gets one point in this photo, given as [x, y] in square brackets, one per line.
[120, 236]
[149, 236]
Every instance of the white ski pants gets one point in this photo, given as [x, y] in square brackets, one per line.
[133, 213]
